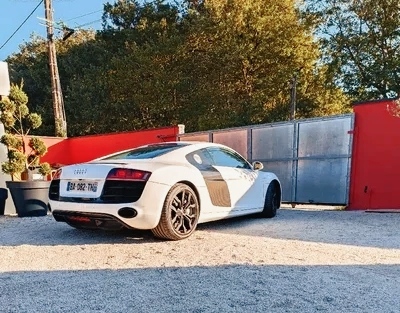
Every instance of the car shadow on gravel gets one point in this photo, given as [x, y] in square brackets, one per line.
[333, 227]
[356, 228]
[45, 231]
[226, 288]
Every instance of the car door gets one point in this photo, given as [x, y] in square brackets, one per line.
[216, 185]
[244, 184]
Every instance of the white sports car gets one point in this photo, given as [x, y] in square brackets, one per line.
[168, 188]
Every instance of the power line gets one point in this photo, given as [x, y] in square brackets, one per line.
[68, 32]
[90, 13]
[92, 22]
[12, 35]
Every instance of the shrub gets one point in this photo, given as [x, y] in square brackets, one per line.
[23, 154]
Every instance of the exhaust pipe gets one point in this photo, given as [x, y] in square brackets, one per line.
[127, 212]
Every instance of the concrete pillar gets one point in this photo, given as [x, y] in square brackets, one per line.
[4, 91]
[10, 208]
[4, 79]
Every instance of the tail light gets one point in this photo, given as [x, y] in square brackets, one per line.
[57, 174]
[128, 174]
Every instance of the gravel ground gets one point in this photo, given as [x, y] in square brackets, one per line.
[301, 261]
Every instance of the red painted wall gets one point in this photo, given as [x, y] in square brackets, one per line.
[375, 174]
[57, 150]
[85, 148]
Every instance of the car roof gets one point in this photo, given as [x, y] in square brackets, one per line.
[193, 144]
[185, 142]
[179, 154]
[186, 147]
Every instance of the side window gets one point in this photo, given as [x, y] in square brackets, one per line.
[228, 158]
[207, 157]
[200, 158]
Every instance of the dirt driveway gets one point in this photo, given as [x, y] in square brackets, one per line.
[301, 261]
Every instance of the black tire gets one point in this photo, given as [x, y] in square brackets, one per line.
[272, 201]
[180, 214]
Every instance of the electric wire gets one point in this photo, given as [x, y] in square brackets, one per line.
[12, 35]
[90, 13]
[89, 23]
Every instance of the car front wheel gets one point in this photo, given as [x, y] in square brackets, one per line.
[179, 215]
[272, 201]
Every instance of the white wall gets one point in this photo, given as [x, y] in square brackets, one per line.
[4, 91]
[10, 208]
[4, 79]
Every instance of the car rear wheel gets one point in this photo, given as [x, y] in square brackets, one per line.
[272, 201]
[179, 215]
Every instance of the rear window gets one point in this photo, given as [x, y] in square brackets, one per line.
[147, 152]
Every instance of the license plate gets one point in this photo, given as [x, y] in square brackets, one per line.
[82, 186]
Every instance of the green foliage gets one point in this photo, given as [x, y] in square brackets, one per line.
[16, 163]
[360, 41]
[394, 108]
[38, 147]
[31, 64]
[33, 120]
[18, 122]
[241, 56]
[207, 64]
[60, 130]
[12, 141]
[44, 169]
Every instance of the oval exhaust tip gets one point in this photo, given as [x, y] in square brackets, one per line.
[127, 212]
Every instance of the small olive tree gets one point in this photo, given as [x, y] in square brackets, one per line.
[23, 153]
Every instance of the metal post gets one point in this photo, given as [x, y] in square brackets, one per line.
[58, 101]
[293, 86]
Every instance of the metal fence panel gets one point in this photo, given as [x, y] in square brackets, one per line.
[324, 138]
[272, 142]
[273, 145]
[195, 137]
[311, 157]
[322, 181]
[235, 139]
[282, 169]
[323, 166]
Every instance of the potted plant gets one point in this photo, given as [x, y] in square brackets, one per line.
[30, 196]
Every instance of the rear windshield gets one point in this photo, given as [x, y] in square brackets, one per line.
[147, 152]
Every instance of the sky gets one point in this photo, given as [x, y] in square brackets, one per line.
[74, 13]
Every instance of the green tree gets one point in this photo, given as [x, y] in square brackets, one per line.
[143, 72]
[75, 56]
[23, 153]
[207, 64]
[240, 57]
[360, 40]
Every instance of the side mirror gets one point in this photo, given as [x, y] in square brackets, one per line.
[257, 166]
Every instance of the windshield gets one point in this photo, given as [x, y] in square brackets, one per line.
[148, 152]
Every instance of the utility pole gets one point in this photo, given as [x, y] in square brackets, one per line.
[293, 85]
[60, 121]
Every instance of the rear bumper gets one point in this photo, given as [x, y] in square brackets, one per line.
[106, 215]
[89, 220]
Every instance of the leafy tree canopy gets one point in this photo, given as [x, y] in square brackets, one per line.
[360, 43]
[207, 64]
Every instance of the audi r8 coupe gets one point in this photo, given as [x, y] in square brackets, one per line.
[167, 187]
